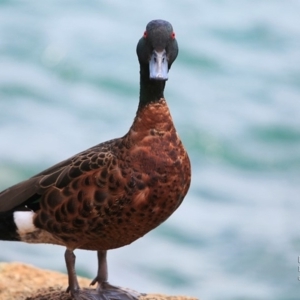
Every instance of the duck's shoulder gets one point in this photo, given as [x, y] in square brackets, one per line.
[93, 158]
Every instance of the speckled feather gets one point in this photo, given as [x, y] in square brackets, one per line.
[110, 195]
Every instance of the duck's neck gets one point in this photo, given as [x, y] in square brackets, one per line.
[153, 115]
[150, 90]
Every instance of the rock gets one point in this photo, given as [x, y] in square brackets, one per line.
[24, 282]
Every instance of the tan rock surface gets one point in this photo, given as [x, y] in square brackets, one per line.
[23, 282]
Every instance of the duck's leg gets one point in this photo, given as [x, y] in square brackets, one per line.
[105, 291]
[72, 277]
[102, 274]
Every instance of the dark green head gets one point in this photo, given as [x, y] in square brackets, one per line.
[158, 49]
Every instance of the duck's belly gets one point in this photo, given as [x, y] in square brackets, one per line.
[128, 225]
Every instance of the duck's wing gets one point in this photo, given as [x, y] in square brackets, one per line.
[59, 175]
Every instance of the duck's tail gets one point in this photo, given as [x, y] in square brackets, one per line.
[8, 227]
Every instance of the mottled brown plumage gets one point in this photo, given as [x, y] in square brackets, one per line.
[114, 193]
[120, 189]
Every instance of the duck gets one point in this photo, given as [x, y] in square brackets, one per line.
[111, 194]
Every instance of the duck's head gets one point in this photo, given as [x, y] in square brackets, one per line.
[157, 49]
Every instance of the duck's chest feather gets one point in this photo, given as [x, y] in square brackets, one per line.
[143, 179]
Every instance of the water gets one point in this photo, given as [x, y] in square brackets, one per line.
[69, 80]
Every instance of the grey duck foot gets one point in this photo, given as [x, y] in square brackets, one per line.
[105, 292]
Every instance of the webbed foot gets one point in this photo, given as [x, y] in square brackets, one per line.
[105, 292]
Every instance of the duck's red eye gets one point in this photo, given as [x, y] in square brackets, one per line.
[173, 35]
[145, 35]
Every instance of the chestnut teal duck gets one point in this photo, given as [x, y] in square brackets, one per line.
[110, 195]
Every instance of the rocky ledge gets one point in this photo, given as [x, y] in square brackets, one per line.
[23, 282]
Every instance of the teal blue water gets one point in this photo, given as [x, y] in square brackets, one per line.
[69, 79]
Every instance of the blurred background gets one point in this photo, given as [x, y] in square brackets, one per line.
[69, 79]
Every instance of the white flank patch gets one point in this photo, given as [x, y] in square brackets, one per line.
[24, 221]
